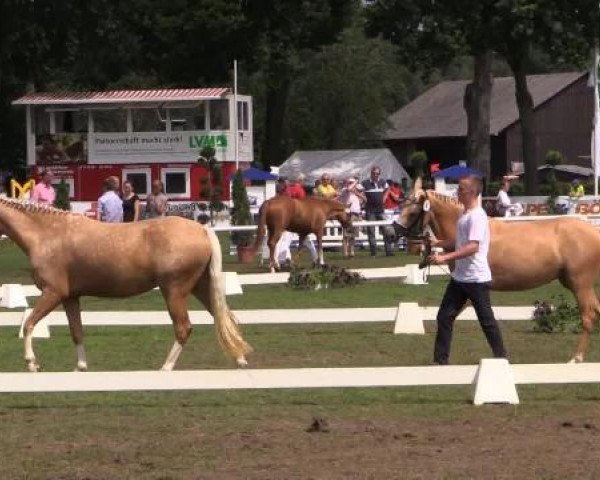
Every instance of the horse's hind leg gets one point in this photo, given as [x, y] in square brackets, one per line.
[176, 300]
[589, 306]
[47, 302]
[73, 311]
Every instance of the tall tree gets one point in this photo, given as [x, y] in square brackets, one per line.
[285, 31]
[343, 95]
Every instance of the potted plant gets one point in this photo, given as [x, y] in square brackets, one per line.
[240, 215]
[418, 160]
[62, 196]
[210, 188]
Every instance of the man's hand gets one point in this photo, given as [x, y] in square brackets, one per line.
[436, 259]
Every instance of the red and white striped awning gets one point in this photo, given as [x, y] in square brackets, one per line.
[122, 96]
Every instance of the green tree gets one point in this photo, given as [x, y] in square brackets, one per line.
[240, 214]
[210, 188]
[284, 33]
[343, 95]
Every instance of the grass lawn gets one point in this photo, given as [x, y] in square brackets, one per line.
[375, 433]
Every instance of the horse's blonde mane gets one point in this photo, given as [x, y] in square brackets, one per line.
[443, 198]
[27, 206]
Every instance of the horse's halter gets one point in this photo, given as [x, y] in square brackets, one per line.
[420, 220]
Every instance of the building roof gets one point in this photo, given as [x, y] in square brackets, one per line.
[122, 96]
[439, 112]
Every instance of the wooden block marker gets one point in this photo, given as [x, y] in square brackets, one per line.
[494, 383]
[13, 296]
[409, 319]
[232, 284]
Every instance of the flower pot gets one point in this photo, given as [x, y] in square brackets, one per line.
[245, 254]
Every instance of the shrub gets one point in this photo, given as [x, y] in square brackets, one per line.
[418, 160]
[559, 316]
[323, 276]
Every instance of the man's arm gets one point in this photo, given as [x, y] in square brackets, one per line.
[470, 248]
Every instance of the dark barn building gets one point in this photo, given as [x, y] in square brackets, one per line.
[437, 123]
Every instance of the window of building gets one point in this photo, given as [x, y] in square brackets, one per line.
[41, 121]
[176, 182]
[71, 121]
[242, 115]
[110, 121]
[139, 178]
[149, 120]
[188, 119]
[219, 115]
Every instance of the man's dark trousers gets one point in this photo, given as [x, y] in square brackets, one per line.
[457, 294]
[387, 241]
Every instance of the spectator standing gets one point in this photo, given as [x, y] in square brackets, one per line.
[296, 188]
[504, 206]
[131, 203]
[326, 189]
[392, 196]
[374, 189]
[110, 205]
[577, 191]
[157, 202]
[44, 192]
[352, 197]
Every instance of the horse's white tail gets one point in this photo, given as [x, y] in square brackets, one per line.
[226, 324]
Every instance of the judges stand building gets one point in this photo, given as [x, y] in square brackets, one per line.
[137, 135]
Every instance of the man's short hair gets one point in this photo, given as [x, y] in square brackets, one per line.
[111, 183]
[476, 182]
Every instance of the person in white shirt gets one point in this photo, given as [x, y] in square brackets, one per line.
[110, 205]
[504, 206]
[471, 277]
[353, 198]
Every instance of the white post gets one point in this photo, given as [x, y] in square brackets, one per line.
[595, 151]
[235, 117]
[30, 136]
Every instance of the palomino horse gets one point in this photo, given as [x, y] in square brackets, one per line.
[301, 216]
[523, 254]
[72, 256]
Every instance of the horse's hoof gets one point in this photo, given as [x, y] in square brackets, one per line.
[241, 362]
[81, 367]
[33, 366]
[575, 359]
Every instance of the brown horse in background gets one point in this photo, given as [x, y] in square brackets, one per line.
[523, 255]
[301, 216]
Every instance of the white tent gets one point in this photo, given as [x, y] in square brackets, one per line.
[341, 164]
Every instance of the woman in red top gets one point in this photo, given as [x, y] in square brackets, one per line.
[392, 196]
[296, 188]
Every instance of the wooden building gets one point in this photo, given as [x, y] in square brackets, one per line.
[437, 123]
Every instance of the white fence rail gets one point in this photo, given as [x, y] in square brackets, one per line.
[494, 380]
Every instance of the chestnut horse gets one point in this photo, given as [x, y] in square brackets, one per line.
[523, 254]
[301, 216]
[72, 256]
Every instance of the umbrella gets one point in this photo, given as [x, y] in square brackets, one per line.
[457, 171]
[254, 174]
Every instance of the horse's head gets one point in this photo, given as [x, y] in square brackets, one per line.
[338, 212]
[415, 212]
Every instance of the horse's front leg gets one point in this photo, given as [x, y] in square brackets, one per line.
[320, 247]
[73, 311]
[273, 243]
[588, 307]
[47, 302]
